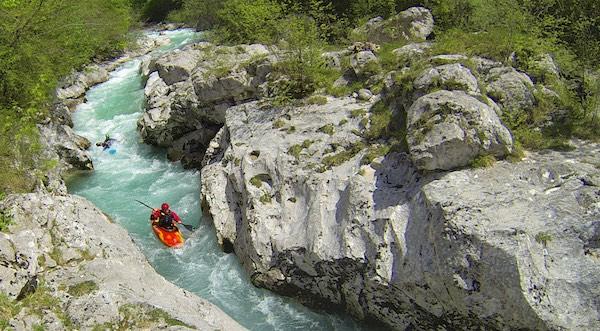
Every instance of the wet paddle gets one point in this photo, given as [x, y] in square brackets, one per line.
[187, 226]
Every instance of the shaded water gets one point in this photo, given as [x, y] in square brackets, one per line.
[138, 171]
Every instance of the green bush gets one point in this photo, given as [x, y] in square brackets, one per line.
[302, 69]
[199, 13]
[483, 161]
[5, 221]
[158, 10]
[249, 21]
[83, 288]
[40, 43]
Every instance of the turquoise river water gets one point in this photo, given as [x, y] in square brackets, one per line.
[139, 171]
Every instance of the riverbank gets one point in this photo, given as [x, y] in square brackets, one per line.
[66, 265]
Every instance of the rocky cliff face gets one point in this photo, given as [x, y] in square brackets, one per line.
[511, 247]
[68, 266]
[316, 206]
[187, 93]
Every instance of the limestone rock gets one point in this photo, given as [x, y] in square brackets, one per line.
[407, 52]
[413, 24]
[362, 62]
[78, 83]
[511, 247]
[190, 148]
[69, 146]
[86, 248]
[448, 77]
[447, 130]
[191, 89]
[176, 66]
[511, 89]
[365, 94]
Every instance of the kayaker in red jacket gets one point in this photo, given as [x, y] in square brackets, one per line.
[165, 217]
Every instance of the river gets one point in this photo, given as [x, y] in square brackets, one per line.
[139, 171]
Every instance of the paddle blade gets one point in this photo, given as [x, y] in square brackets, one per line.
[189, 227]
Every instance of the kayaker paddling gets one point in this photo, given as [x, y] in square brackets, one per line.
[163, 222]
[165, 217]
[107, 143]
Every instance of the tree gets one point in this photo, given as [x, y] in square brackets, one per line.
[41, 41]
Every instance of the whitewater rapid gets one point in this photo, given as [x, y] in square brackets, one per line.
[139, 171]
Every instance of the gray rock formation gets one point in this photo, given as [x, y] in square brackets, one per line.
[362, 63]
[448, 129]
[448, 77]
[413, 24]
[410, 51]
[511, 89]
[510, 247]
[189, 90]
[82, 271]
[74, 87]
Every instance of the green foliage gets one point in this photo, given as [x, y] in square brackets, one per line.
[339, 158]
[389, 61]
[302, 69]
[483, 161]
[329, 25]
[83, 288]
[327, 129]
[543, 238]
[40, 43]
[356, 113]
[374, 152]
[451, 13]
[199, 13]
[5, 221]
[157, 10]
[517, 154]
[8, 309]
[317, 100]
[265, 198]
[19, 148]
[248, 21]
[39, 303]
[137, 316]
[278, 124]
[379, 121]
[372, 8]
[259, 179]
[295, 150]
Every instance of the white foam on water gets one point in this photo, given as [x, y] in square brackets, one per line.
[142, 172]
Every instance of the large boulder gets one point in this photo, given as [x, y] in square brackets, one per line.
[88, 272]
[363, 63]
[449, 77]
[67, 145]
[408, 52]
[448, 129]
[190, 90]
[177, 66]
[413, 24]
[511, 89]
[78, 83]
[510, 247]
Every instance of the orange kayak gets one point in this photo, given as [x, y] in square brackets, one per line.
[171, 238]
